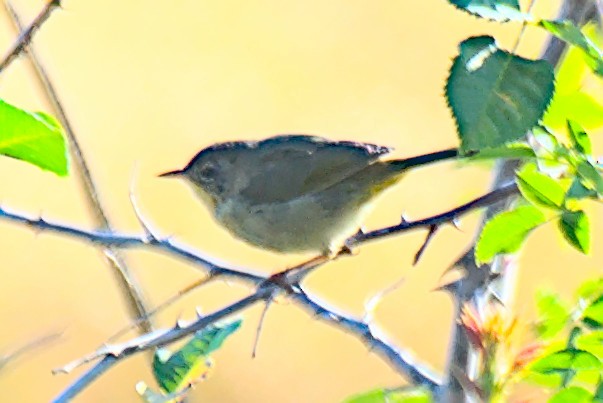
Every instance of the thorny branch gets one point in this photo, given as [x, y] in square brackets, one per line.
[268, 286]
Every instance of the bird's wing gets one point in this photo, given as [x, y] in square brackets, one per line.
[296, 165]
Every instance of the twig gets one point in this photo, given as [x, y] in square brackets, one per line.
[26, 35]
[402, 361]
[214, 269]
[500, 194]
[258, 330]
[165, 338]
[181, 293]
[27, 347]
[126, 281]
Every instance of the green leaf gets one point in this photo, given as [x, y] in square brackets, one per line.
[497, 10]
[539, 188]
[591, 342]
[413, 395]
[598, 398]
[190, 362]
[579, 138]
[553, 315]
[590, 289]
[594, 313]
[577, 106]
[574, 394]
[495, 96]
[588, 172]
[512, 151]
[507, 231]
[570, 33]
[575, 227]
[577, 190]
[566, 363]
[35, 137]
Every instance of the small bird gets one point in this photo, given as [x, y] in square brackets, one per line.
[295, 193]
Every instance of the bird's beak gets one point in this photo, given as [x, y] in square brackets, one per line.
[170, 174]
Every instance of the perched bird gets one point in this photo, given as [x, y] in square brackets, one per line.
[295, 193]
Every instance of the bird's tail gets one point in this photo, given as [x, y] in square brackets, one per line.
[401, 165]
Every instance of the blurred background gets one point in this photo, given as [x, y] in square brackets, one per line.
[147, 84]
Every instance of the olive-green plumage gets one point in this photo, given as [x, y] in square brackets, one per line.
[295, 193]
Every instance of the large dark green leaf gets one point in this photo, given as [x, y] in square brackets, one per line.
[506, 232]
[189, 363]
[495, 96]
[497, 10]
[33, 137]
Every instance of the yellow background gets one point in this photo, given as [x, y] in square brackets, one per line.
[148, 83]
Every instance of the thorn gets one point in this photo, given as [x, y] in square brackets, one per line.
[150, 237]
[180, 324]
[430, 234]
[259, 328]
[456, 223]
[404, 219]
[199, 312]
[371, 304]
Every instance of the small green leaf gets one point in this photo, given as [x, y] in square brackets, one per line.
[553, 315]
[177, 370]
[511, 150]
[588, 172]
[507, 231]
[578, 191]
[594, 313]
[412, 395]
[539, 188]
[574, 394]
[570, 33]
[566, 363]
[579, 138]
[598, 398]
[590, 289]
[496, 10]
[575, 227]
[496, 96]
[591, 342]
[36, 138]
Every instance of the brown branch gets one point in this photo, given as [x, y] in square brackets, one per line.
[27, 34]
[126, 281]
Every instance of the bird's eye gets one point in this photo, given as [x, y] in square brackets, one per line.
[208, 171]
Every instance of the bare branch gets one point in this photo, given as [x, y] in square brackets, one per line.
[126, 281]
[269, 286]
[27, 34]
